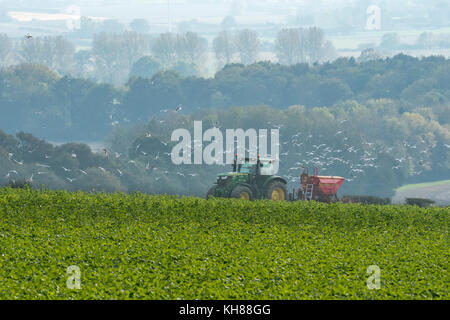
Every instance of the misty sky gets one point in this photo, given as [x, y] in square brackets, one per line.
[343, 21]
[209, 10]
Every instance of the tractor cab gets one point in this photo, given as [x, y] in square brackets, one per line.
[262, 167]
[246, 168]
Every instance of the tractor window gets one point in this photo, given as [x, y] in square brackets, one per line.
[247, 168]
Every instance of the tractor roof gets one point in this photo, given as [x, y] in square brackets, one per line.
[226, 174]
[255, 159]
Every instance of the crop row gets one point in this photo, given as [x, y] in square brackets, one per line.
[156, 247]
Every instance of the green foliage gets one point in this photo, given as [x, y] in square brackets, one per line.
[185, 69]
[146, 67]
[37, 100]
[99, 180]
[423, 203]
[366, 200]
[148, 247]
[390, 41]
[21, 184]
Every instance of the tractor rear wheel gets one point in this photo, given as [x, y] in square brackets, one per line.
[211, 192]
[277, 191]
[243, 193]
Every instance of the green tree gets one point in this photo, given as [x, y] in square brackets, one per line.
[54, 52]
[146, 97]
[191, 48]
[164, 48]
[369, 55]
[331, 91]
[291, 46]
[146, 67]
[115, 54]
[33, 149]
[390, 41]
[185, 69]
[248, 45]
[99, 180]
[224, 48]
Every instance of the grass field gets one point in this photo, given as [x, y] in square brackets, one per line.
[438, 191]
[152, 247]
[423, 185]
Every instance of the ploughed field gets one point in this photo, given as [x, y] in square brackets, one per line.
[155, 247]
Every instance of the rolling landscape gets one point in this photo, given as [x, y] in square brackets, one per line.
[224, 151]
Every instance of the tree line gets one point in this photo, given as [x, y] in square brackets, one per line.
[426, 40]
[36, 99]
[113, 57]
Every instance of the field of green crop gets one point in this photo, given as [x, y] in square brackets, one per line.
[151, 247]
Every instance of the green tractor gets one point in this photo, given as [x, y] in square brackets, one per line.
[250, 181]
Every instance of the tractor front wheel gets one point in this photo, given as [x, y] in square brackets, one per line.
[277, 191]
[243, 193]
[211, 192]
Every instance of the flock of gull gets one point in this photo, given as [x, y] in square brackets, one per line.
[351, 159]
[14, 175]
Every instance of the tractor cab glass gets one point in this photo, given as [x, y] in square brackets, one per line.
[246, 168]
